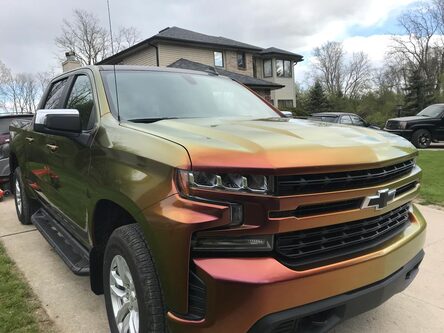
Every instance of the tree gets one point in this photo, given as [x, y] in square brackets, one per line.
[339, 74]
[317, 100]
[21, 92]
[419, 50]
[4, 76]
[418, 93]
[91, 41]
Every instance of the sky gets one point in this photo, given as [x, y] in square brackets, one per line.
[28, 27]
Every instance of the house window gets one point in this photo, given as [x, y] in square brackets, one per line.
[218, 59]
[283, 68]
[268, 72]
[285, 104]
[241, 61]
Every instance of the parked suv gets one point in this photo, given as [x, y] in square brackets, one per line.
[423, 129]
[195, 206]
[18, 120]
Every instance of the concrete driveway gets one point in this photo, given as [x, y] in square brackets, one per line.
[74, 308]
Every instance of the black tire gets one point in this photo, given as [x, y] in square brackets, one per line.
[422, 138]
[28, 206]
[128, 242]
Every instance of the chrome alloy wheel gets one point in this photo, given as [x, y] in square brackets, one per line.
[123, 296]
[18, 196]
[425, 140]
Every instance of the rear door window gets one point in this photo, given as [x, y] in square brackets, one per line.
[346, 120]
[55, 94]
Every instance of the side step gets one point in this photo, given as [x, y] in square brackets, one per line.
[74, 254]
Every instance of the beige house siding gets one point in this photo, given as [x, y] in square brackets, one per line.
[145, 57]
[231, 63]
[286, 93]
[169, 53]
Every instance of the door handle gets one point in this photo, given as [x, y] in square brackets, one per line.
[29, 139]
[53, 148]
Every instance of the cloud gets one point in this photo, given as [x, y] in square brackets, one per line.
[28, 29]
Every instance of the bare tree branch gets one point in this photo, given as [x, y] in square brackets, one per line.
[339, 74]
[91, 41]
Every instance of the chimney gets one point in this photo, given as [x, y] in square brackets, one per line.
[71, 62]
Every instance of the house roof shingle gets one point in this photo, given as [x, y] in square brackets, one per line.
[179, 34]
[244, 79]
[176, 34]
[276, 51]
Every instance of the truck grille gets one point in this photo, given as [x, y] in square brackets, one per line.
[326, 182]
[391, 124]
[319, 246]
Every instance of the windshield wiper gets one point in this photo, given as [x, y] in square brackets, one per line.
[150, 120]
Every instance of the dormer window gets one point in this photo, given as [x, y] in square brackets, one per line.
[268, 71]
[283, 68]
[218, 59]
[241, 60]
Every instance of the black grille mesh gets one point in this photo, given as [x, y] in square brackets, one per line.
[312, 247]
[325, 182]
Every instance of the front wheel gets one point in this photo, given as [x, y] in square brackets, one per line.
[132, 290]
[422, 138]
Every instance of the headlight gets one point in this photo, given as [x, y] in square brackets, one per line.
[402, 124]
[223, 181]
[233, 244]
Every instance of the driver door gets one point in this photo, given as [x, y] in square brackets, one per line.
[69, 160]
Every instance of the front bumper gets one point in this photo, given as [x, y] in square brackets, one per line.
[323, 315]
[406, 134]
[244, 293]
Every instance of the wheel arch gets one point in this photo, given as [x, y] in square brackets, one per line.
[107, 216]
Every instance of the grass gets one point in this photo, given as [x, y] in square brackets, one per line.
[432, 187]
[20, 310]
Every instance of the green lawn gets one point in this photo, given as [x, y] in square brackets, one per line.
[19, 309]
[432, 187]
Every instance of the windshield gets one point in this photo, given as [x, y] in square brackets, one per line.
[433, 111]
[157, 95]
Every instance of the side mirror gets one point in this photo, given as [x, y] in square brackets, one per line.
[287, 114]
[64, 122]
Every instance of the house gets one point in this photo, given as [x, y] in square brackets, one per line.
[269, 72]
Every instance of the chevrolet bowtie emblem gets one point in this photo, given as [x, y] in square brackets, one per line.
[380, 200]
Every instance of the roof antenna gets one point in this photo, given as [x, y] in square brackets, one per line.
[114, 66]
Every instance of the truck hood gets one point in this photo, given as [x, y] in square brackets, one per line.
[277, 143]
[411, 118]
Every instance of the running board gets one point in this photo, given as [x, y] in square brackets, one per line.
[74, 254]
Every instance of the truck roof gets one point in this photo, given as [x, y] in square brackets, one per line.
[118, 68]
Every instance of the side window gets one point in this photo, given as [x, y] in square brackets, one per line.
[358, 121]
[54, 95]
[81, 99]
[346, 120]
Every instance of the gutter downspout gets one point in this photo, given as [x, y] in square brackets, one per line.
[157, 53]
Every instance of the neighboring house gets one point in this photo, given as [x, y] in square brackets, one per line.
[269, 72]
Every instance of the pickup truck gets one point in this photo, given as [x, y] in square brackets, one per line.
[195, 206]
[423, 129]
